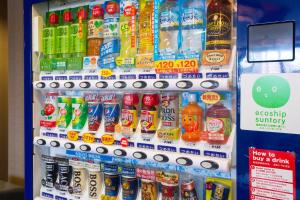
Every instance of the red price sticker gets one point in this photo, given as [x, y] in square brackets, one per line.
[124, 142]
[177, 66]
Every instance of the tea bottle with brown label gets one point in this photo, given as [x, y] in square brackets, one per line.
[219, 25]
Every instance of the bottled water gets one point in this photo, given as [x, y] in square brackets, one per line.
[192, 19]
[168, 30]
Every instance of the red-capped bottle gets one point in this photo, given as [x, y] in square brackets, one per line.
[95, 30]
[129, 113]
[149, 114]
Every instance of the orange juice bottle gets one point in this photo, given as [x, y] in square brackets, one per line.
[192, 120]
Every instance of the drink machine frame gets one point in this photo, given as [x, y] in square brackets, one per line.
[263, 12]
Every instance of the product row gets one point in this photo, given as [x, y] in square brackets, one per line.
[80, 179]
[135, 33]
[168, 116]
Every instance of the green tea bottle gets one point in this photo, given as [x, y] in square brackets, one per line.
[63, 34]
[79, 32]
[49, 34]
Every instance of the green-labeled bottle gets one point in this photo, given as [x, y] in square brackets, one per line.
[64, 105]
[79, 112]
[49, 34]
[79, 31]
[63, 34]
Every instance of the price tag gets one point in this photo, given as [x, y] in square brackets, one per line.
[108, 139]
[88, 138]
[210, 97]
[106, 73]
[72, 135]
[216, 57]
[177, 66]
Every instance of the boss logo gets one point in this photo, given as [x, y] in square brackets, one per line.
[93, 185]
[77, 179]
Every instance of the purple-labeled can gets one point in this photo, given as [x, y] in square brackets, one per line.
[111, 116]
[95, 110]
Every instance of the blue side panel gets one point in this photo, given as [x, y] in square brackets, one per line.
[28, 136]
[253, 12]
[28, 102]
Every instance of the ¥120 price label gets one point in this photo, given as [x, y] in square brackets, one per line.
[177, 66]
[106, 73]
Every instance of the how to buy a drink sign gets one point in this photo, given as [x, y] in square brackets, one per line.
[271, 175]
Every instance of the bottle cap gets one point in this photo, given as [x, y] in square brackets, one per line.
[192, 98]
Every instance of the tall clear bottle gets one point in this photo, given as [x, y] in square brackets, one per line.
[128, 29]
[168, 29]
[192, 20]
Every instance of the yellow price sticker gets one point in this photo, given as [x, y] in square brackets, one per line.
[108, 139]
[88, 138]
[106, 73]
[210, 97]
[177, 66]
[73, 135]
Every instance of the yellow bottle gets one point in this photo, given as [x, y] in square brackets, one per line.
[128, 27]
[146, 28]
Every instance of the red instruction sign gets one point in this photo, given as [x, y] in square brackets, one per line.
[272, 175]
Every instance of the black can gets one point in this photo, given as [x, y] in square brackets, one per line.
[219, 192]
[188, 190]
[51, 174]
[129, 188]
[64, 176]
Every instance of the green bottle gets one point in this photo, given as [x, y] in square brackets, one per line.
[63, 34]
[49, 34]
[78, 38]
[79, 31]
[49, 41]
[79, 112]
[64, 105]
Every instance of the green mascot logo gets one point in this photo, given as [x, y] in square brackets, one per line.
[271, 91]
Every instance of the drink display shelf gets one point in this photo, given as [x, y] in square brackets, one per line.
[200, 84]
[194, 164]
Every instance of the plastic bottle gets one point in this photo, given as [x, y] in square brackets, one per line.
[218, 123]
[192, 19]
[79, 32]
[168, 30]
[49, 34]
[95, 30]
[63, 34]
[146, 28]
[219, 25]
[192, 120]
[128, 24]
[149, 115]
[110, 48]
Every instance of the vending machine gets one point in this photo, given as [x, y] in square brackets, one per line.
[161, 99]
[268, 75]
